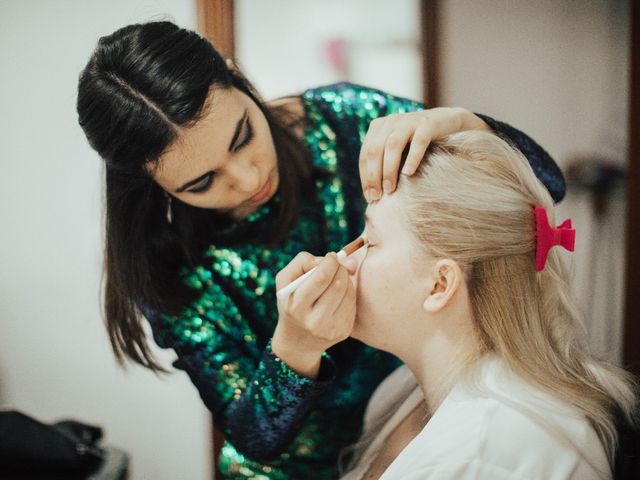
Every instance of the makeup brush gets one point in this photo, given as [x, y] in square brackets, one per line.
[347, 250]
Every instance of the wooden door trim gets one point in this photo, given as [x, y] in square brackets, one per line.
[215, 19]
[631, 344]
[430, 36]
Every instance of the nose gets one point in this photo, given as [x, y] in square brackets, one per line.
[243, 175]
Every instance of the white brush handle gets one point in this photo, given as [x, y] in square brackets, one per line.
[283, 292]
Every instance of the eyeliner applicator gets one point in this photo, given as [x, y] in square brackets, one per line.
[347, 250]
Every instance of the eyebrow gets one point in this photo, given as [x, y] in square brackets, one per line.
[234, 138]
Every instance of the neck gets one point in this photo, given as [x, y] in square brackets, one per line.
[436, 362]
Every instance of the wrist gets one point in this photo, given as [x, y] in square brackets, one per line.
[470, 121]
[301, 357]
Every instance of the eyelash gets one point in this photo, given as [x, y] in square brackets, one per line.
[248, 136]
[205, 186]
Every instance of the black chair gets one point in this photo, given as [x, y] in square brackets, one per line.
[627, 465]
[69, 450]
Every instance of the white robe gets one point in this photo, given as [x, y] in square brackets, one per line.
[495, 426]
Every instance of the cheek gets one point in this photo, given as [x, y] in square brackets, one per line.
[216, 198]
[386, 294]
[264, 148]
[373, 287]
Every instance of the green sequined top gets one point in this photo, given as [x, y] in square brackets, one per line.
[278, 424]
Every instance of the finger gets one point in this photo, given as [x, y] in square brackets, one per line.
[375, 161]
[417, 150]
[393, 148]
[313, 287]
[334, 313]
[370, 160]
[347, 304]
[374, 125]
[344, 315]
[301, 263]
[332, 296]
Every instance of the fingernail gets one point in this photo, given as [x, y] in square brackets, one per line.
[407, 170]
[375, 194]
[367, 195]
[387, 186]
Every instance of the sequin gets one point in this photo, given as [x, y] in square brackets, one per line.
[223, 341]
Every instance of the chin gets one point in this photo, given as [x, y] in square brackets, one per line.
[241, 214]
[359, 333]
[371, 340]
[355, 333]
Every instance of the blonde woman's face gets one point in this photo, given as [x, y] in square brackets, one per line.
[389, 278]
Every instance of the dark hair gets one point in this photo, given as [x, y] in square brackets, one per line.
[141, 84]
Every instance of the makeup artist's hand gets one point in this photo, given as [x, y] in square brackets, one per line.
[388, 137]
[319, 313]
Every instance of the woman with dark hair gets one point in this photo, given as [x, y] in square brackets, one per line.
[209, 192]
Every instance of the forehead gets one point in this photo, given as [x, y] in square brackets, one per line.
[397, 241]
[204, 145]
[386, 217]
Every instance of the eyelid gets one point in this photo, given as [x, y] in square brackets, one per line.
[248, 135]
[203, 185]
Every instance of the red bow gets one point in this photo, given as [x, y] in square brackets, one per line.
[548, 237]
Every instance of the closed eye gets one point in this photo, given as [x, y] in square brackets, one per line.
[204, 184]
[246, 138]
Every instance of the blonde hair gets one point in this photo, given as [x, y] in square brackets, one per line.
[472, 201]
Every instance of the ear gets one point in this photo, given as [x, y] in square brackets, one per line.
[446, 279]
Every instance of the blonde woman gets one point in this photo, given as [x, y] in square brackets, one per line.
[497, 381]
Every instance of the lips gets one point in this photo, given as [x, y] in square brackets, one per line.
[262, 193]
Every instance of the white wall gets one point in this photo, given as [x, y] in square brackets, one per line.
[557, 70]
[281, 44]
[54, 357]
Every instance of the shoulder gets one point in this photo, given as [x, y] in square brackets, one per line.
[356, 101]
[350, 93]
[501, 425]
[486, 438]
[347, 91]
[388, 396]
[517, 437]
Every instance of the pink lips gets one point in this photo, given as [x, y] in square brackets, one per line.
[262, 194]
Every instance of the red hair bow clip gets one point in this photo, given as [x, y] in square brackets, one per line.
[548, 237]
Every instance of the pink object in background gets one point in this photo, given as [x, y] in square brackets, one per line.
[336, 53]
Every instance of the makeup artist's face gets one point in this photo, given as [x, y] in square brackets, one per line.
[226, 161]
[389, 278]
